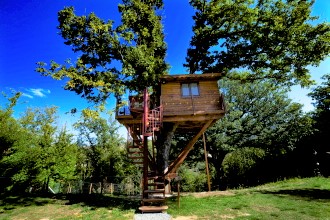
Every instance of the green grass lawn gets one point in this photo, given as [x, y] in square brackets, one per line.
[291, 199]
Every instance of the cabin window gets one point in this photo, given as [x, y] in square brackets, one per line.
[189, 89]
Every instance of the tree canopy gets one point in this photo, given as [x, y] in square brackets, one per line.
[321, 97]
[111, 58]
[261, 116]
[272, 39]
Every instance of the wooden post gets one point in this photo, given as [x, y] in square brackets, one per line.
[90, 188]
[206, 165]
[178, 194]
[69, 188]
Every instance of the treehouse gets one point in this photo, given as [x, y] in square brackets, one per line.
[190, 103]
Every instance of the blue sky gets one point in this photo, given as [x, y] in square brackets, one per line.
[28, 34]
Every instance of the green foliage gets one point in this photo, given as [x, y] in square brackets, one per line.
[66, 157]
[34, 153]
[102, 147]
[9, 135]
[137, 44]
[193, 179]
[259, 115]
[273, 39]
[321, 97]
[241, 166]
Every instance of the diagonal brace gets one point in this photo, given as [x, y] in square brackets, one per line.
[179, 160]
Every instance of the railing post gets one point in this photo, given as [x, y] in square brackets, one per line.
[145, 142]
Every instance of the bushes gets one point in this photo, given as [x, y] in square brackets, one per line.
[193, 179]
[242, 166]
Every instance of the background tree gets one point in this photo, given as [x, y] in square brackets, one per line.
[8, 126]
[12, 139]
[38, 154]
[41, 125]
[273, 39]
[321, 96]
[102, 146]
[66, 158]
[260, 115]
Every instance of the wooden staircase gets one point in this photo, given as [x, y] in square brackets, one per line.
[153, 190]
[153, 199]
[135, 153]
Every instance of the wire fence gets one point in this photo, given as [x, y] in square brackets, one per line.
[80, 187]
[129, 186]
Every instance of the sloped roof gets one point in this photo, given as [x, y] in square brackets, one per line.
[190, 77]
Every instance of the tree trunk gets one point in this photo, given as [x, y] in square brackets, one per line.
[46, 184]
[216, 160]
[163, 144]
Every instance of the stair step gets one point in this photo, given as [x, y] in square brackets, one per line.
[152, 177]
[154, 173]
[156, 184]
[154, 191]
[147, 134]
[140, 150]
[154, 200]
[153, 208]
[134, 154]
[135, 147]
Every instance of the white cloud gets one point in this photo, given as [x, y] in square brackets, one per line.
[27, 95]
[39, 92]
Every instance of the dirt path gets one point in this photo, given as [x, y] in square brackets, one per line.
[206, 194]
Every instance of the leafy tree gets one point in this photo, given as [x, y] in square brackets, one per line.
[40, 123]
[8, 126]
[38, 155]
[112, 58]
[12, 138]
[193, 178]
[321, 96]
[102, 145]
[66, 157]
[273, 39]
[241, 167]
[259, 115]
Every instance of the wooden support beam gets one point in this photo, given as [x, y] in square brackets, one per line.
[206, 164]
[179, 160]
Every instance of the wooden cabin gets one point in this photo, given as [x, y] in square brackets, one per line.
[187, 99]
[191, 100]
[192, 103]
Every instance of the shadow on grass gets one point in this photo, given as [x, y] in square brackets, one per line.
[97, 200]
[307, 194]
[10, 202]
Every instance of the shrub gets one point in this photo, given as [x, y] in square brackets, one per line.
[193, 179]
[241, 167]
